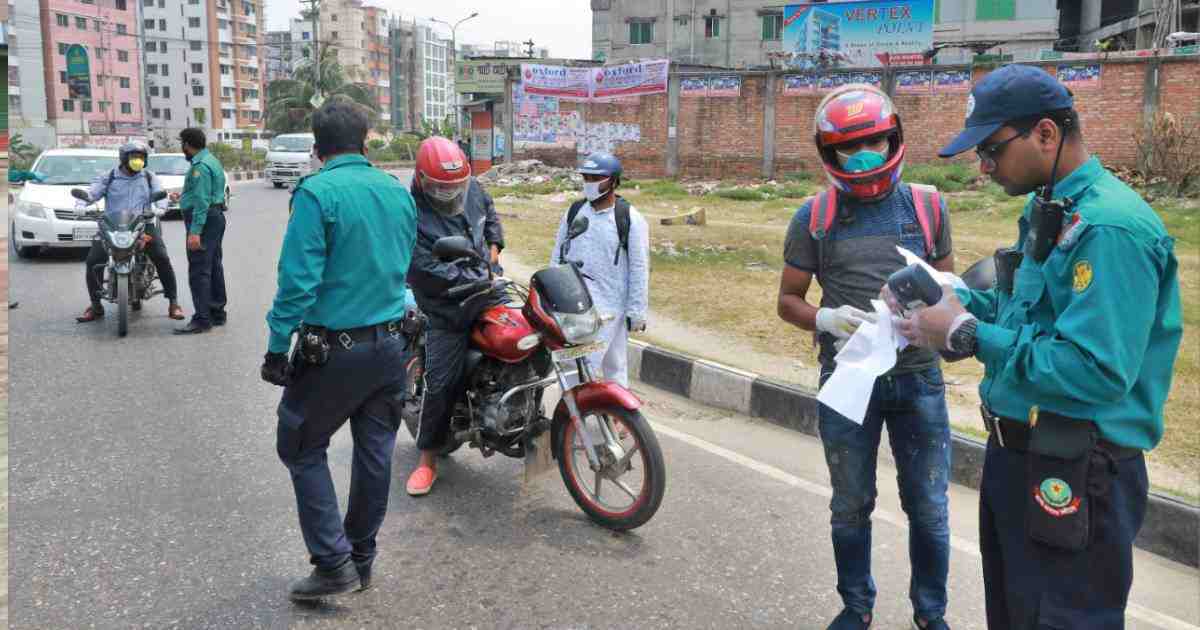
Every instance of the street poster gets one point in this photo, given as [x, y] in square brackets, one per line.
[563, 82]
[914, 82]
[630, 79]
[857, 33]
[693, 87]
[796, 84]
[725, 85]
[480, 76]
[1080, 77]
[952, 81]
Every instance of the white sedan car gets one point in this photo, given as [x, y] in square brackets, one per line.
[171, 169]
[44, 214]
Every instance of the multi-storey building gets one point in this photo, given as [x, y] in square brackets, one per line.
[378, 80]
[279, 57]
[422, 77]
[109, 30]
[26, 74]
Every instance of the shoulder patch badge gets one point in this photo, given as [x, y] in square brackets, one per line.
[1083, 276]
[196, 172]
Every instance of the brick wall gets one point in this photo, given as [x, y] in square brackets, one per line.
[723, 137]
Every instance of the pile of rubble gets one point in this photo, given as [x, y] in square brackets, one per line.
[530, 172]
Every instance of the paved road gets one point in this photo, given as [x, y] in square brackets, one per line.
[146, 494]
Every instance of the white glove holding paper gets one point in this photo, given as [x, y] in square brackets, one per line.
[869, 354]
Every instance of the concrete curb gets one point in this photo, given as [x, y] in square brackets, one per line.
[1171, 528]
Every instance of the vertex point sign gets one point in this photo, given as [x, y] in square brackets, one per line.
[858, 33]
[595, 83]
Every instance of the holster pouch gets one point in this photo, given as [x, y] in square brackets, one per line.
[314, 346]
[1007, 260]
[413, 326]
[1059, 464]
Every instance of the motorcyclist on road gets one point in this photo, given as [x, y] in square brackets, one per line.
[449, 203]
[127, 186]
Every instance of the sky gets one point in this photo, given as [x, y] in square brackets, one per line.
[564, 26]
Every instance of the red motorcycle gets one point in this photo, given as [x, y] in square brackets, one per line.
[607, 452]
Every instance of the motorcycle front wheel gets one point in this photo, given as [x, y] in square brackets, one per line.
[123, 305]
[628, 488]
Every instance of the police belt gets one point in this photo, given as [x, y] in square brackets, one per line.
[348, 338]
[1014, 435]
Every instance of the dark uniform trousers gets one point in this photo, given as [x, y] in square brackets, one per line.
[1031, 586]
[356, 384]
[157, 252]
[206, 273]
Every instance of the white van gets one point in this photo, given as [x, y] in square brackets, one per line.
[288, 159]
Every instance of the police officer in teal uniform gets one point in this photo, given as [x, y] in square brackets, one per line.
[342, 285]
[1078, 339]
[203, 206]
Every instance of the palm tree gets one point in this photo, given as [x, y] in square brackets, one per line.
[289, 101]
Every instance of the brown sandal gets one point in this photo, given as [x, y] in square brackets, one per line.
[175, 311]
[90, 315]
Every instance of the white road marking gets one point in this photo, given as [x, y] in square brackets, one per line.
[962, 545]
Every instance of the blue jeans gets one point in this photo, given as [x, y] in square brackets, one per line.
[357, 384]
[913, 406]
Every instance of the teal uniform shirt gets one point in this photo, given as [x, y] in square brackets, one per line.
[203, 187]
[1094, 330]
[346, 251]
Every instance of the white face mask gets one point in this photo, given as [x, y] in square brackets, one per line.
[592, 191]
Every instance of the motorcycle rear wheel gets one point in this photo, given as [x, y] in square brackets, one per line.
[640, 447]
[123, 305]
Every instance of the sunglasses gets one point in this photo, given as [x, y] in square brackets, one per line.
[988, 154]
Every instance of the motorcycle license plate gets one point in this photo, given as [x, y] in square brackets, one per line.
[570, 354]
[84, 234]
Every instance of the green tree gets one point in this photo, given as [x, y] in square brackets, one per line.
[290, 101]
[21, 153]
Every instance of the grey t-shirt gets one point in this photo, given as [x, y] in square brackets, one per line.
[859, 255]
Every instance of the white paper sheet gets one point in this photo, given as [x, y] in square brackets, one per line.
[869, 354]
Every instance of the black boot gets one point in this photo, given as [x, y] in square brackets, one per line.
[364, 573]
[323, 583]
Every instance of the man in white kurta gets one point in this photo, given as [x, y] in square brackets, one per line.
[620, 289]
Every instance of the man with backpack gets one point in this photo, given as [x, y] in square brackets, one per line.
[615, 254]
[847, 238]
[128, 186]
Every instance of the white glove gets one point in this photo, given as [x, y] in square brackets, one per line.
[842, 321]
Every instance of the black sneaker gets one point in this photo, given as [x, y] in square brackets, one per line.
[324, 583]
[364, 573]
[930, 624]
[851, 620]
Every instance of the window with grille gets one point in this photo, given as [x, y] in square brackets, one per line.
[126, 108]
[772, 27]
[712, 27]
[641, 32]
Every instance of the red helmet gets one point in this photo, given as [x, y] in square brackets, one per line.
[850, 114]
[443, 174]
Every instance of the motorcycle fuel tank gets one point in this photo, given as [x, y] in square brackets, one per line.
[498, 333]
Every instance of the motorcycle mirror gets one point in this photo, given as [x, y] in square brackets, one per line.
[158, 196]
[578, 226]
[981, 276]
[450, 248]
[80, 194]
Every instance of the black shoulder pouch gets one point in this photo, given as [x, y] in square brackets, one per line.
[1059, 463]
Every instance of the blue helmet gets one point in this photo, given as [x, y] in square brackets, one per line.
[601, 163]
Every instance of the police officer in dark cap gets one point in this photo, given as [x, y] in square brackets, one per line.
[1078, 338]
[342, 286]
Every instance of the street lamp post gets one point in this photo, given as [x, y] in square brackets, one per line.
[454, 57]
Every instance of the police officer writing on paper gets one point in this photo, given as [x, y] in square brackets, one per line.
[1078, 339]
[449, 203]
[615, 256]
[203, 206]
[846, 237]
[127, 186]
[342, 284]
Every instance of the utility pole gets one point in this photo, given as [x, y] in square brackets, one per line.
[313, 13]
[529, 47]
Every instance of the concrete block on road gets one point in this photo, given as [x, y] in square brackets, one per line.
[634, 359]
[784, 405]
[721, 387]
[667, 370]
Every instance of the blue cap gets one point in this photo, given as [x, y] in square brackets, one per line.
[1010, 93]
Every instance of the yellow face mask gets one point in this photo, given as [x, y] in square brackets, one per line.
[136, 164]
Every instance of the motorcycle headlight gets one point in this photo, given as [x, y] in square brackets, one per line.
[31, 209]
[122, 240]
[579, 328]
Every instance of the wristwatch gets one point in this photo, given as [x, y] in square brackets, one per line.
[963, 341]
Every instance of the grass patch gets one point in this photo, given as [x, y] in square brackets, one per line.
[952, 177]
[767, 192]
[529, 190]
[661, 188]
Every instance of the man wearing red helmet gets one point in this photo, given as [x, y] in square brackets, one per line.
[847, 237]
[449, 203]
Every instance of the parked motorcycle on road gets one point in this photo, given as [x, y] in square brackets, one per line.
[607, 453]
[129, 277]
